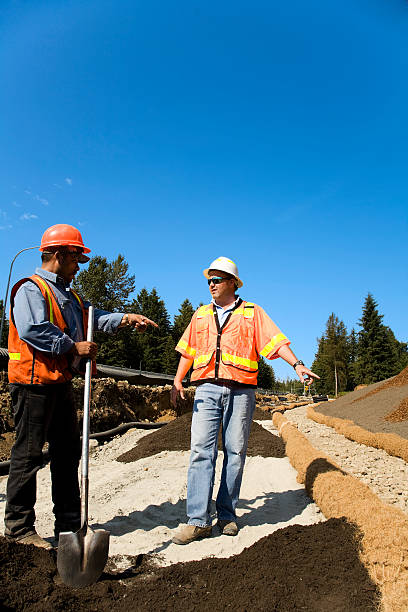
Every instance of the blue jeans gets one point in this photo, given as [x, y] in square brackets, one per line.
[234, 408]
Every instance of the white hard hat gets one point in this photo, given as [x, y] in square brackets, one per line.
[224, 265]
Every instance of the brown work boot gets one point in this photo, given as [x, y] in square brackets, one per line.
[32, 538]
[228, 527]
[189, 533]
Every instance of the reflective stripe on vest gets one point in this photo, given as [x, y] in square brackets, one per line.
[239, 361]
[247, 311]
[185, 347]
[47, 290]
[272, 343]
[15, 356]
[77, 297]
[205, 311]
[202, 360]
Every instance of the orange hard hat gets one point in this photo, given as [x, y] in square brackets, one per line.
[62, 235]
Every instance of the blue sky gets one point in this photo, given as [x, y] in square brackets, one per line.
[272, 133]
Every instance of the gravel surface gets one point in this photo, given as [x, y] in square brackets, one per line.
[387, 476]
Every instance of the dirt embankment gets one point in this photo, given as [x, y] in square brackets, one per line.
[112, 403]
[380, 408]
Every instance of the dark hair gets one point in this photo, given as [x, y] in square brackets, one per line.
[50, 252]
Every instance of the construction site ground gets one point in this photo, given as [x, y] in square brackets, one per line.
[287, 555]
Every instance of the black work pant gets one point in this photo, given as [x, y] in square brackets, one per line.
[43, 413]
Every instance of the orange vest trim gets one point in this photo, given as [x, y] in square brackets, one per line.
[230, 353]
[28, 365]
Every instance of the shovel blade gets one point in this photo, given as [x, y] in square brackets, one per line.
[82, 556]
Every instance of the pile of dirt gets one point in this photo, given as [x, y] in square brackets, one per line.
[400, 380]
[176, 437]
[372, 406]
[112, 403]
[400, 414]
[315, 568]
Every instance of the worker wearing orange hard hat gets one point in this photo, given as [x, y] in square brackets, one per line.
[47, 331]
[223, 344]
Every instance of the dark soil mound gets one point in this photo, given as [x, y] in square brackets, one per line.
[262, 414]
[297, 568]
[176, 436]
[370, 406]
[400, 414]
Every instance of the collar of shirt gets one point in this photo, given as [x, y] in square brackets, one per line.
[51, 276]
[222, 313]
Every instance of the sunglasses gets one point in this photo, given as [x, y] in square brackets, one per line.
[216, 280]
[77, 256]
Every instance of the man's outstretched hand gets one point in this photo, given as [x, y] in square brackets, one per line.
[305, 375]
[137, 321]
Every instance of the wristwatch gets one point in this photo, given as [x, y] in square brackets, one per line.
[125, 319]
[299, 362]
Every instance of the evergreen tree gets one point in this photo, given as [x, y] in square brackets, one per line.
[331, 360]
[398, 352]
[182, 320]
[170, 357]
[108, 285]
[266, 375]
[379, 353]
[152, 346]
[352, 342]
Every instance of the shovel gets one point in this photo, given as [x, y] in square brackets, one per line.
[82, 555]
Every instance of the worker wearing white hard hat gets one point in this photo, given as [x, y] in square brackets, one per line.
[224, 264]
[223, 344]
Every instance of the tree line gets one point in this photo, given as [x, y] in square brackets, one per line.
[345, 360]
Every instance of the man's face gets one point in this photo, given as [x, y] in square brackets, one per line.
[224, 289]
[68, 263]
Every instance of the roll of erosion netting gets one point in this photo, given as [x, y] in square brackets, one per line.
[392, 443]
[383, 529]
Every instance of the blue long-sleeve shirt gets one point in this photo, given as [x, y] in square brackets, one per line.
[31, 316]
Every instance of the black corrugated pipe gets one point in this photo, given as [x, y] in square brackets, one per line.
[100, 435]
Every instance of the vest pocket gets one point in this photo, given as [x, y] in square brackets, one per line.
[202, 360]
[241, 363]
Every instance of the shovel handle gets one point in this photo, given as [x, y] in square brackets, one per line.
[85, 424]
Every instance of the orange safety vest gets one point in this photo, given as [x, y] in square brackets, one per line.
[231, 352]
[29, 366]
